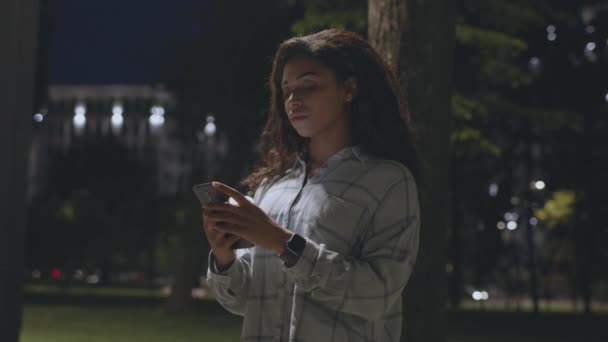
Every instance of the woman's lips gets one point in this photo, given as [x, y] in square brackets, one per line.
[293, 115]
[298, 117]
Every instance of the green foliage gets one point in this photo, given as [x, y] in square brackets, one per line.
[490, 43]
[466, 109]
[548, 120]
[318, 15]
[509, 16]
[558, 209]
[494, 56]
[353, 19]
[468, 143]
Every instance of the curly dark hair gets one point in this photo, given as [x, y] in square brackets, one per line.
[379, 114]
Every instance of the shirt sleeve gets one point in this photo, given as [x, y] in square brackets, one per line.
[231, 285]
[366, 286]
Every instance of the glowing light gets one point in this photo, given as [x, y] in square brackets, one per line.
[587, 14]
[210, 127]
[56, 273]
[606, 97]
[551, 37]
[156, 120]
[38, 117]
[551, 29]
[78, 275]
[157, 110]
[92, 279]
[534, 64]
[590, 46]
[512, 225]
[501, 225]
[484, 295]
[493, 189]
[476, 295]
[533, 221]
[117, 120]
[538, 185]
[80, 120]
[117, 109]
[80, 109]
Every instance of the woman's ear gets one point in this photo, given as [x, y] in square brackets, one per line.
[350, 89]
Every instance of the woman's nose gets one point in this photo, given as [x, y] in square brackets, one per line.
[292, 97]
[294, 101]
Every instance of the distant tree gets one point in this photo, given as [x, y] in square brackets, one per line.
[97, 211]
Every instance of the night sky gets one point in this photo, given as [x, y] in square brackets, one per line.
[117, 41]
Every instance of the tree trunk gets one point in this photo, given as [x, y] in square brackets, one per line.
[188, 269]
[18, 31]
[417, 39]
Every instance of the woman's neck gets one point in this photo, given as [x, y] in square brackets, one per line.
[320, 150]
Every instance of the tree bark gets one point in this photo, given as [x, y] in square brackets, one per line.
[417, 39]
[18, 32]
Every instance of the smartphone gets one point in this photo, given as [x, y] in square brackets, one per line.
[206, 193]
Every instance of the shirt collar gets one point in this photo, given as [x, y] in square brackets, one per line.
[356, 151]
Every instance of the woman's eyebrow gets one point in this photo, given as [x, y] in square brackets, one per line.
[308, 73]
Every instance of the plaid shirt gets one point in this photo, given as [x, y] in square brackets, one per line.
[360, 218]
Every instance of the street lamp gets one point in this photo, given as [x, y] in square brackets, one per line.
[157, 116]
[210, 127]
[117, 119]
[537, 185]
[80, 119]
[38, 117]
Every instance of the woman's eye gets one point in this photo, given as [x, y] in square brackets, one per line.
[300, 92]
[310, 88]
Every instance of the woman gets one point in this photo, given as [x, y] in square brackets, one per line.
[334, 218]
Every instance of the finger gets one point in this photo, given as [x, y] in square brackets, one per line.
[211, 233]
[237, 196]
[224, 217]
[227, 207]
[226, 227]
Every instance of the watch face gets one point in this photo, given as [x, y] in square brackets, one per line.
[296, 244]
[295, 247]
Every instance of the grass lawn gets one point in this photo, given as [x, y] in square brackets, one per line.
[118, 323]
[117, 317]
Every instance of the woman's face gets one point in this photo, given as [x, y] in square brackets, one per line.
[315, 103]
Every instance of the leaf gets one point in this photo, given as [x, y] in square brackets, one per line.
[558, 209]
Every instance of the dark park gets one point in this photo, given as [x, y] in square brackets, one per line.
[304, 170]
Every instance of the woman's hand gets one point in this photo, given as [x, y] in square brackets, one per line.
[245, 220]
[220, 243]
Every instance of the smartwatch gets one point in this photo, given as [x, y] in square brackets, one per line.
[293, 250]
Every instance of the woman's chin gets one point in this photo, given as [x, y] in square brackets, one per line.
[302, 132]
